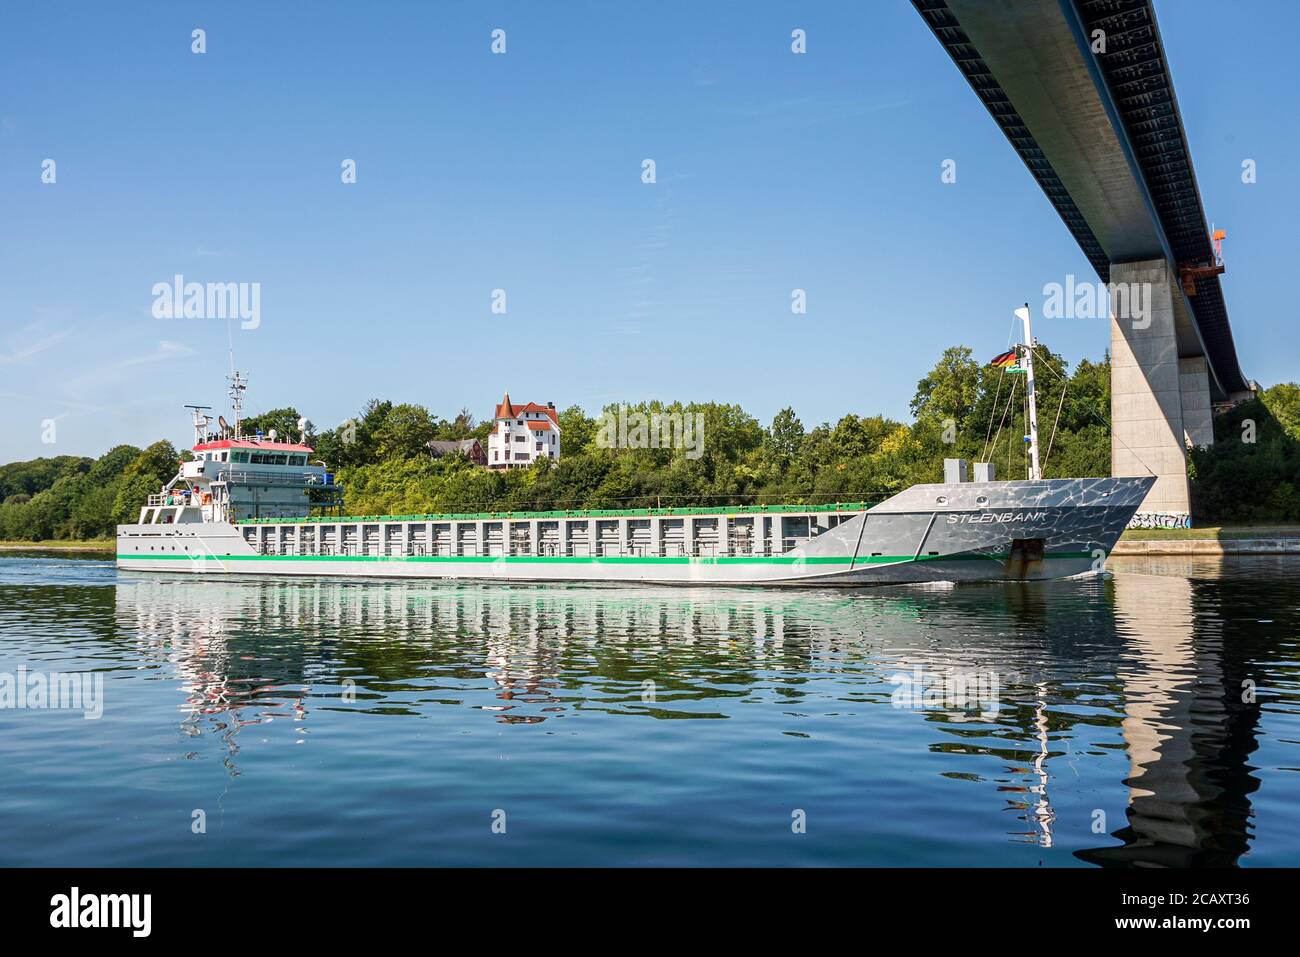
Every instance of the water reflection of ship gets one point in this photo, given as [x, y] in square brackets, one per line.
[228, 680]
[248, 652]
[1143, 647]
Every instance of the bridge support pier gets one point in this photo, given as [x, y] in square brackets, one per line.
[1159, 402]
[1198, 413]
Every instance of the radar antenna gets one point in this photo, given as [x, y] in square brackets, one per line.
[201, 421]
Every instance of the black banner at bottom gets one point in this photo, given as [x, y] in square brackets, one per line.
[323, 904]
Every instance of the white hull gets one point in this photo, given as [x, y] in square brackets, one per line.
[929, 533]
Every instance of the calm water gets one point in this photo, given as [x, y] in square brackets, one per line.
[330, 722]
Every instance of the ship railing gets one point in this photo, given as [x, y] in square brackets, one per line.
[172, 498]
[257, 477]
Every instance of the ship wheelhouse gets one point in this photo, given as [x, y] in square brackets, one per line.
[230, 480]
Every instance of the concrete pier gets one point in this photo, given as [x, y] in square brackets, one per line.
[1198, 413]
[1160, 402]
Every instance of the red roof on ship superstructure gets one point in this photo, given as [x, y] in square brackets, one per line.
[249, 444]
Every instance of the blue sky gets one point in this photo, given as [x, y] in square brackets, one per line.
[523, 172]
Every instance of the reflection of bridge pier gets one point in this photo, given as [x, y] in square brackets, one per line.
[1188, 733]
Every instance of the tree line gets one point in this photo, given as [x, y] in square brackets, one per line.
[962, 408]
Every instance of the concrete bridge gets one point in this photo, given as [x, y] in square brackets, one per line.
[1083, 92]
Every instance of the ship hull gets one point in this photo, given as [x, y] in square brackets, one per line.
[993, 531]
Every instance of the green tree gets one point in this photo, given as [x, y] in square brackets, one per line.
[404, 432]
[950, 389]
[283, 421]
[785, 436]
[148, 472]
[577, 432]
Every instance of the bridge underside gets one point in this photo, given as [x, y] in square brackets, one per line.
[1100, 131]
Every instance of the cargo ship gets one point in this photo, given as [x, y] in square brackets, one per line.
[252, 505]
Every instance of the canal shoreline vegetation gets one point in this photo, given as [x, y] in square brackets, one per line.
[62, 545]
[962, 408]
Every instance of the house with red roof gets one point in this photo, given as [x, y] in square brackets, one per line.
[522, 434]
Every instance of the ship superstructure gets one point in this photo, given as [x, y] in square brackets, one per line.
[232, 477]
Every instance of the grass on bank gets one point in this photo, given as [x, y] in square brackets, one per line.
[61, 545]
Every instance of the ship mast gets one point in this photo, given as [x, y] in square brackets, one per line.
[201, 420]
[1028, 358]
[237, 386]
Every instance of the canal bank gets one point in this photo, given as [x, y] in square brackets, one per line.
[1255, 540]
[102, 547]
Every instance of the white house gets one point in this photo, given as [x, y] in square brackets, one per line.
[522, 434]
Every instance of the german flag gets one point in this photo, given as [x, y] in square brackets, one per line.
[1007, 358]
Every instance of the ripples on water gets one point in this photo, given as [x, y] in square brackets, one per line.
[1095, 721]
